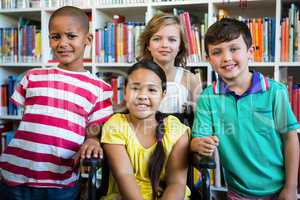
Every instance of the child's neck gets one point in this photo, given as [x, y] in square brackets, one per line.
[169, 70]
[141, 123]
[79, 68]
[241, 84]
[144, 130]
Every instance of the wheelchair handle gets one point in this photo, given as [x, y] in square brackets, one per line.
[92, 162]
[203, 162]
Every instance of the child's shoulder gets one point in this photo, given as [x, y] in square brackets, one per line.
[116, 119]
[209, 90]
[275, 85]
[175, 129]
[173, 121]
[99, 82]
[37, 71]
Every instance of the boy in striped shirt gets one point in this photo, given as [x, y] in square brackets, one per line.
[60, 103]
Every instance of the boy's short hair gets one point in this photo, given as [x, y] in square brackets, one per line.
[72, 12]
[225, 30]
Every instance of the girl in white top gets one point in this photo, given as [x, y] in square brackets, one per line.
[163, 41]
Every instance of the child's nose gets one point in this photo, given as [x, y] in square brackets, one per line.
[164, 43]
[227, 56]
[142, 97]
[62, 42]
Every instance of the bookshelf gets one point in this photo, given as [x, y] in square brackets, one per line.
[140, 11]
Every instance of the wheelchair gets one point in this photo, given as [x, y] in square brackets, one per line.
[203, 164]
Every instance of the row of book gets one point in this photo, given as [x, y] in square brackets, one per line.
[21, 43]
[60, 3]
[290, 36]
[108, 2]
[6, 133]
[194, 35]
[6, 91]
[10, 4]
[117, 82]
[263, 38]
[294, 96]
[118, 41]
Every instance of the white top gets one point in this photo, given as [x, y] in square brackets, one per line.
[177, 94]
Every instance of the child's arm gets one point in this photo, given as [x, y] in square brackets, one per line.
[195, 88]
[291, 153]
[122, 171]
[205, 146]
[91, 146]
[177, 170]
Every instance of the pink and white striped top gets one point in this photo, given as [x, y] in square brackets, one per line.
[59, 105]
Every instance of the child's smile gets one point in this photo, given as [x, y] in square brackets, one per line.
[143, 94]
[68, 40]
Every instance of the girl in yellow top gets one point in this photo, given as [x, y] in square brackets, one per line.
[147, 154]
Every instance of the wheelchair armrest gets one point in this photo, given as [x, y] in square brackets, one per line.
[93, 162]
[203, 162]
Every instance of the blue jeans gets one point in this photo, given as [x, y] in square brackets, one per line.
[33, 193]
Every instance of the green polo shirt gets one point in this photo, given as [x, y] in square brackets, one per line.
[249, 129]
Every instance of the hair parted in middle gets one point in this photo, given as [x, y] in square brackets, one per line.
[152, 66]
[158, 21]
[158, 157]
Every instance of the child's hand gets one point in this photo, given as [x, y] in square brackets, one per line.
[205, 146]
[91, 148]
[288, 194]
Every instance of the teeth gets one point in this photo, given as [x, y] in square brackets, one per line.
[142, 105]
[229, 67]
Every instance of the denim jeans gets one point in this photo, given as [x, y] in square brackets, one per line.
[33, 193]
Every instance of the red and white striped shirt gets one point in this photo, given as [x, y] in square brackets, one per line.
[59, 105]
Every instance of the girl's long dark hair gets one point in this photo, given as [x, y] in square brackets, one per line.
[157, 159]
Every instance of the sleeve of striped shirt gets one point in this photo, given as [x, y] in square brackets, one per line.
[18, 97]
[102, 109]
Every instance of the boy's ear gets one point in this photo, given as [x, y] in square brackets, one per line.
[207, 57]
[89, 39]
[251, 51]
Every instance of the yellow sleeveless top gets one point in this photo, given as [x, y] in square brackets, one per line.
[118, 131]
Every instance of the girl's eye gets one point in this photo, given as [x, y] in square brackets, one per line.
[134, 88]
[152, 90]
[155, 39]
[172, 40]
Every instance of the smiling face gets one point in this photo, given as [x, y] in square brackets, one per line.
[164, 44]
[230, 59]
[67, 40]
[143, 94]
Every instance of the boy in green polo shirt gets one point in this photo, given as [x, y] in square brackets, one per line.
[247, 116]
